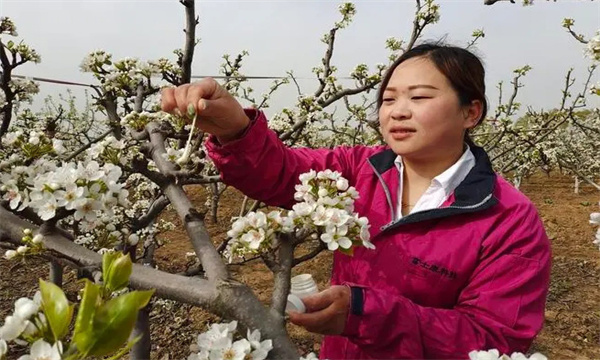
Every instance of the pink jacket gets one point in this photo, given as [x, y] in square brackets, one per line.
[470, 275]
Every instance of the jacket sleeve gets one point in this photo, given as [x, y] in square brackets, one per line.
[502, 305]
[261, 166]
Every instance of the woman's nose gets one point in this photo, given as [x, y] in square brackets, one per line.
[400, 111]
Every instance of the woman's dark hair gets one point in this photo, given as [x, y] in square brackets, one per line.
[462, 68]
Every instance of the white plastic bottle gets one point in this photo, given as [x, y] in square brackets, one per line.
[302, 286]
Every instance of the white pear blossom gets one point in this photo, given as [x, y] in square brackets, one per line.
[37, 239]
[342, 184]
[48, 208]
[595, 218]
[260, 349]
[276, 217]
[34, 140]
[133, 239]
[232, 351]
[256, 219]
[253, 238]
[41, 350]
[86, 209]
[11, 137]
[309, 356]
[324, 210]
[303, 193]
[303, 209]
[494, 354]
[13, 196]
[25, 308]
[10, 254]
[336, 237]
[58, 146]
[12, 328]
[22, 250]
[213, 338]
[593, 47]
[306, 177]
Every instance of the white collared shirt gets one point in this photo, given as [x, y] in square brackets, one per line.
[441, 186]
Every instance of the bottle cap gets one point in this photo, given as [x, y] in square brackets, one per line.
[294, 303]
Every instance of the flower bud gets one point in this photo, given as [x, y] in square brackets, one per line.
[118, 272]
[133, 239]
[10, 254]
[22, 249]
[37, 239]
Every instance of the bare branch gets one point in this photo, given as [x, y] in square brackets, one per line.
[316, 251]
[88, 145]
[492, 2]
[190, 40]
[168, 286]
[282, 273]
[203, 246]
[158, 205]
[326, 62]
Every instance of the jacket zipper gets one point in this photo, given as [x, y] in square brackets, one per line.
[386, 191]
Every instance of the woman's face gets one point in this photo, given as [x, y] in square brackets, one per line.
[421, 116]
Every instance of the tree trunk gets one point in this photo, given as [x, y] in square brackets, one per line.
[56, 273]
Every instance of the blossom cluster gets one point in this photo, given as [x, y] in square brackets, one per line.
[47, 187]
[32, 244]
[110, 230]
[24, 89]
[429, 12]
[138, 121]
[109, 150]
[218, 343]
[28, 324]
[7, 26]
[119, 77]
[592, 49]
[32, 145]
[325, 210]
[494, 354]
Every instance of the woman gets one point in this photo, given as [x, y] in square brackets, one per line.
[462, 261]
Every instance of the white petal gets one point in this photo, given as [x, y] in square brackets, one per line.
[538, 356]
[332, 246]
[345, 243]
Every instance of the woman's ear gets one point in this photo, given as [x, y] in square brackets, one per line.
[472, 114]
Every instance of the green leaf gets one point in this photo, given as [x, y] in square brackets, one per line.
[126, 349]
[119, 272]
[107, 259]
[84, 335]
[10, 44]
[115, 320]
[56, 308]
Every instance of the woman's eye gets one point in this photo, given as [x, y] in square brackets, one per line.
[388, 99]
[420, 97]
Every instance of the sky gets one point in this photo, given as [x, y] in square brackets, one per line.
[285, 35]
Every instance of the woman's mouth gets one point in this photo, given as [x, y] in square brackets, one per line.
[401, 133]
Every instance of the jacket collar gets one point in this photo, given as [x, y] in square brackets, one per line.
[474, 193]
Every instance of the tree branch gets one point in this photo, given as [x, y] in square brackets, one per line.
[190, 40]
[203, 246]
